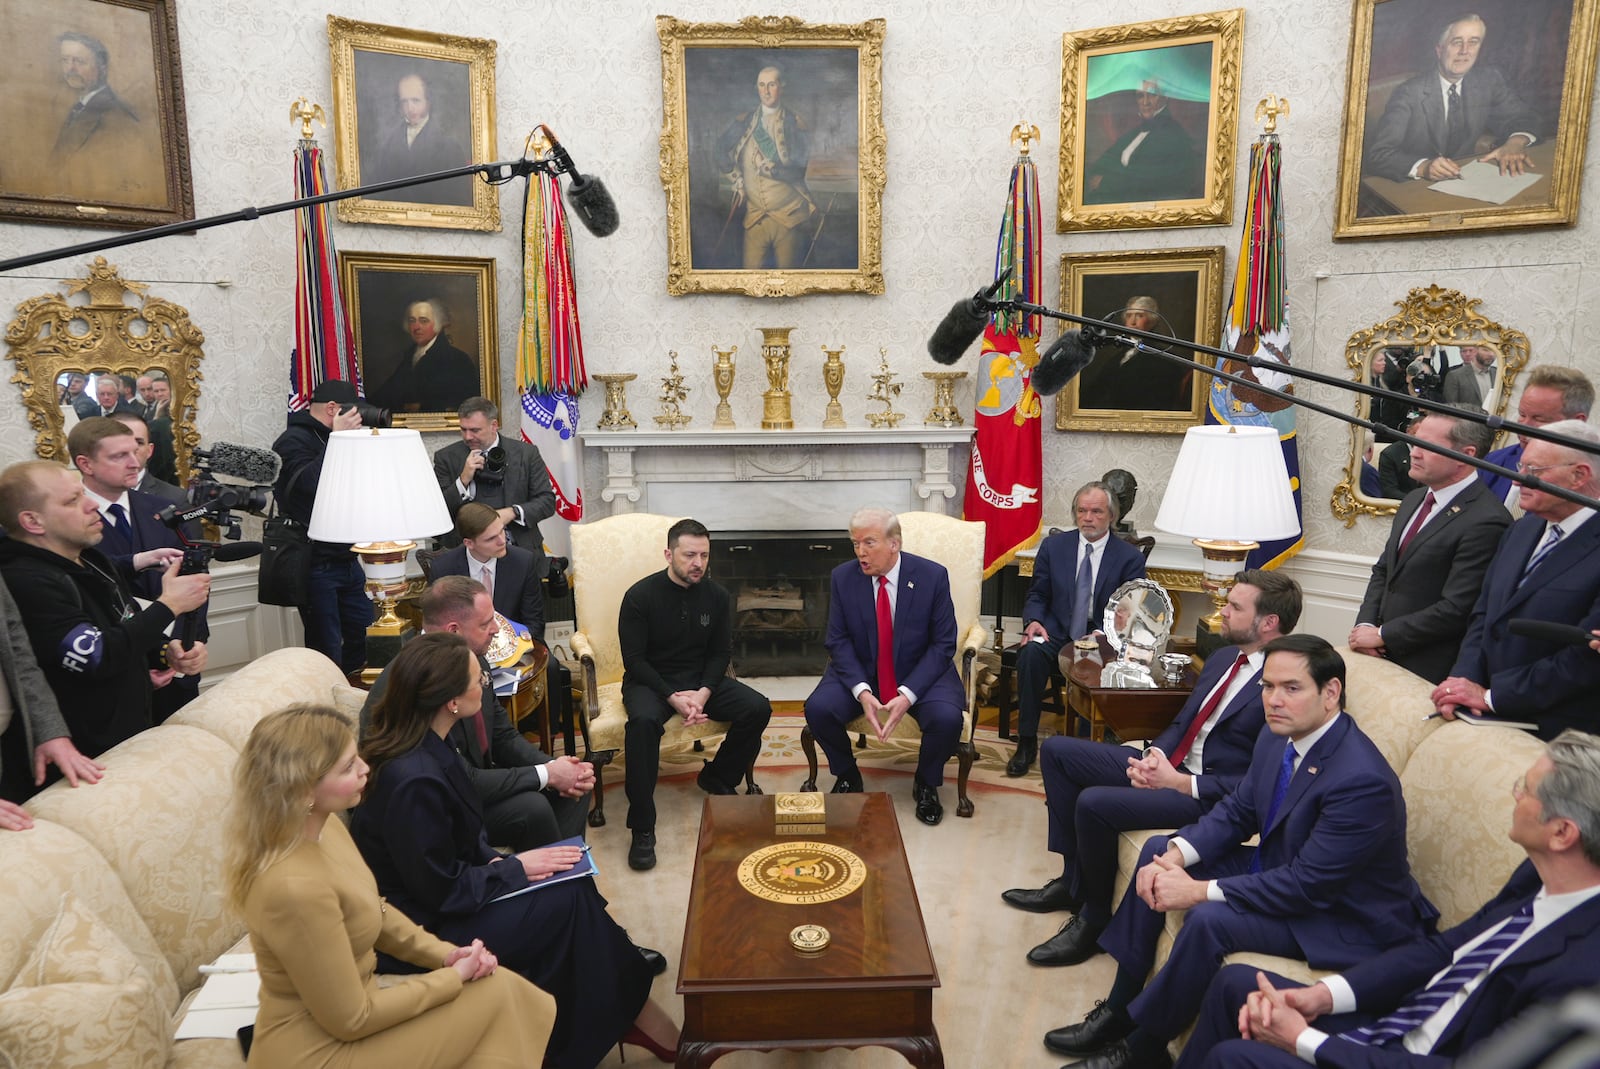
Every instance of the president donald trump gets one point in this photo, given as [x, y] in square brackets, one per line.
[891, 648]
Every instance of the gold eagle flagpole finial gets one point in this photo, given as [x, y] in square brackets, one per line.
[1269, 108]
[1026, 133]
[302, 111]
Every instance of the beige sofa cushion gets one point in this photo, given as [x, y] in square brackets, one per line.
[82, 999]
[1389, 703]
[267, 684]
[156, 819]
[37, 867]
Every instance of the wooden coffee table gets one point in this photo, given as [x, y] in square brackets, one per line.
[745, 988]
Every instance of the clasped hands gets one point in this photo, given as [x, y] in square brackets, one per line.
[691, 705]
[569, 777]
[1365, 638]
[1278, 1017]
[471, 962]
[1164, 886]
[883, 716]
[1153, 771]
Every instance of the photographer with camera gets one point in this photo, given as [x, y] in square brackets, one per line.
[504, 473]
[337, 610]
[94, 644]
[107, 454]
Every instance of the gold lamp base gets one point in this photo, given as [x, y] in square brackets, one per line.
[384, 565]
[1222, 560]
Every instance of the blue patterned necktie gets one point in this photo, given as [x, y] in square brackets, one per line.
[1082, 594]
[1279, 792]
[1549, 543]
[1416, 1011]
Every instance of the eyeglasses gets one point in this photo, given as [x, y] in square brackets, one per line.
[1523, 469]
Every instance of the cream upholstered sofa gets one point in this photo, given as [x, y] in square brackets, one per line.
[1457, 785]
[608, 556]
[958, 545]
[113, 900]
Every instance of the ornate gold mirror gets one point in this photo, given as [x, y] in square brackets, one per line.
[65, 348]
[1437, 346]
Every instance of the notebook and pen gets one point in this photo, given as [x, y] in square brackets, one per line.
[584, 868]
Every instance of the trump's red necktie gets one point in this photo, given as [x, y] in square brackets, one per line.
[886, 682]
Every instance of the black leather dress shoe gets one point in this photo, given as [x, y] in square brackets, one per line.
[1076, 942]
[654, 958]
[711, 784]
[849, 783]
[1026, 753]
[642, 852]
[1051, 898]
[1121, 1056]
[1103, 1027]
[929, 811]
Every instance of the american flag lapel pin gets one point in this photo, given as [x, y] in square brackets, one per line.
[911, 586]
[1312, 771]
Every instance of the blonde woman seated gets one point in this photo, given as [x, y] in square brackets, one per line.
[421, 830]
[315, 918]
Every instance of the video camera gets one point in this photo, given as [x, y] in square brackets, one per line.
[212, 500]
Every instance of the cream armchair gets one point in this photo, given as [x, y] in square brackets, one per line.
[958, 545]
[608, 557]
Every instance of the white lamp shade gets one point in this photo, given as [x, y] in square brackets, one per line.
[377, 486]
[1230, 484]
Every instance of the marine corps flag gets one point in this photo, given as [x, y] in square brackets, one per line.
[1007, 453]
[1258, 323]
[550, 371]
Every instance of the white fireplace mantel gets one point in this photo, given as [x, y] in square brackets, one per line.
[792, 480]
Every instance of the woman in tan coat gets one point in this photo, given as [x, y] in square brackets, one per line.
[315, 921]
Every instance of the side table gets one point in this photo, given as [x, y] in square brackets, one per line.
[531, 700]
[1121, 712]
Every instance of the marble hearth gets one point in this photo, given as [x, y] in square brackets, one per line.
[770, 481]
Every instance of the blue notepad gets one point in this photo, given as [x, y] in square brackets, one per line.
[584, 868]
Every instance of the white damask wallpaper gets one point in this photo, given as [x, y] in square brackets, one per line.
[958, 74]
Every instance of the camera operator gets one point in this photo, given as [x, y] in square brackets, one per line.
[504, 473]
[91, 639]
[108, 456]
[337, 610]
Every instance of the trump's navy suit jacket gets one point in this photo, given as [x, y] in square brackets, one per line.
[1055, 574]
[1233, 737]
[1557, 960]
[1333, 861]
[924, 631]
[518, 589]
[1530, 679]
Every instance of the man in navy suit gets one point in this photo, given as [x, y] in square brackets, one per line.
[891, 652]
[1431, 570]
[1440, 116]
[1550, 393]
[513, 575]
[1432, 1001]
[1074, 576]
[107, 455]
[1329, 883]
[1197, 760]
[1547, 568]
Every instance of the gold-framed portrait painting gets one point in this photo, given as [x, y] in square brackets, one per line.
[1149, 121]
[1174, 292]
[95, 126]
[408, 103]
[1465, 119]
[425, 333]
[772, 156]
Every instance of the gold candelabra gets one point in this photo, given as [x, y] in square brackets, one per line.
[673, 394]
[833, 380]
[884, 391]
[775, 413]
[616, 417]
[722, 371]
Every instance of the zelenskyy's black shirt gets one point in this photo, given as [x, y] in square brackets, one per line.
[674, 638]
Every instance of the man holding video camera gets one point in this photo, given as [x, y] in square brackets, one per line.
[337, 609]
[507, 474]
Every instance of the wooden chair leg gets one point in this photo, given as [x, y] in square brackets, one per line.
[808, 743]
[597, 812]
[964, 755]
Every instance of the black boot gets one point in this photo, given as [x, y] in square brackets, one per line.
[1022, 760]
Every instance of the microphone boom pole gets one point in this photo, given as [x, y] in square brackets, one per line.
[1138, 338]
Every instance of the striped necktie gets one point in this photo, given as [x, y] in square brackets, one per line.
[1549, 543]
[1416, 1011]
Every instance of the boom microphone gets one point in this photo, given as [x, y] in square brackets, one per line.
[1069, 355]
[586, 195]
[1547, 631]
[963, 323]
[241, 462]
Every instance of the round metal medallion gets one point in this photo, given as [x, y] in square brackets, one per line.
[801, 873]
[809, 938]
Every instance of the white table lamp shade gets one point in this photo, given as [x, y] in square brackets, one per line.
[1230, 484]
[377, 486]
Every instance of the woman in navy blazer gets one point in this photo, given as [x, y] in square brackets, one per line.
[420, 830]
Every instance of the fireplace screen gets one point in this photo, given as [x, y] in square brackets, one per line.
[779, 585]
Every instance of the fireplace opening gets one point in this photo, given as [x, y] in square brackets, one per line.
[779, 584]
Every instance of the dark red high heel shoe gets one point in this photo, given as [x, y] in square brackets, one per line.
[636, 1036]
